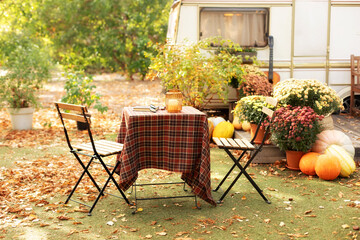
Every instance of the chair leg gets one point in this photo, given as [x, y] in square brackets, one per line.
[105, 185]
[112, 178]
[228, 173]
[86, 169]
[81, 176]
[243, 171]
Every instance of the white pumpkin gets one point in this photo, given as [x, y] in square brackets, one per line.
[347, 163]
[216, 120]
[333, 137]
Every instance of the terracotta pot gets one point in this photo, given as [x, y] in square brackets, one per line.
[293, 159]
[260, 134]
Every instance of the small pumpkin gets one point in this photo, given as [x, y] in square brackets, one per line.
[307, 163]
[224, 130]
[246, 126]
[211, 128]
[327, 167]
[237, 123]
[216, 120]
[330, 137]
[347, 163]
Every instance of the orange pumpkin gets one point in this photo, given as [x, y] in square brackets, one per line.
[211, 128]
[307, 163]
[327, 167]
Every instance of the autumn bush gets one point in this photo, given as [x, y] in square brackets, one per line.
[197, 75]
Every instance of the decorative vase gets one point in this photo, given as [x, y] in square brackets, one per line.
[293, 159]
[21, 118]
[260, 135]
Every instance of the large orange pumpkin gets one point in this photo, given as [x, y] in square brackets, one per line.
[327, 167]
[307, 163]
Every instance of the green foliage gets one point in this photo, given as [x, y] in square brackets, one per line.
[27, 63]
[80, 91]
[188, 69]
[106, 35]
[95, 35]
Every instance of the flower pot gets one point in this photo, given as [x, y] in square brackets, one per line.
[260, 135]
[327, 123]
[293, 159]
[81, 126]
[21, 118]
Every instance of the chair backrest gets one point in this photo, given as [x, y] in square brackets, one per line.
[76, 113]
[267, 112]
[355, 70]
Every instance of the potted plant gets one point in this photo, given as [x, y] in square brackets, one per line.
[309, 92]
[250, 109]
[79, 90]
[26, 64]
[294, 130]
[255, 84]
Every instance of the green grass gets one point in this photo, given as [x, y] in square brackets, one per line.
[301, 207]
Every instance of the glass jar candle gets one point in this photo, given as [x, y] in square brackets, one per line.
[173, 101]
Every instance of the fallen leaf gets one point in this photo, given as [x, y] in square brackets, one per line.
[161, 233]
[267, 220]
[181, 233]
[110, 223]
[308, 211]
[63, 217]
[345, 226]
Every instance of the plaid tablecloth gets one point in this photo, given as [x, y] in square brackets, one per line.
[176, 142]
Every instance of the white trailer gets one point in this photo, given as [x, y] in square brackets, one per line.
[312, 38]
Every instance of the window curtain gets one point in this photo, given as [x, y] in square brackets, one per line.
[245, 28]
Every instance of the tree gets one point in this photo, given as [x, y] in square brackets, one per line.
[94, 34]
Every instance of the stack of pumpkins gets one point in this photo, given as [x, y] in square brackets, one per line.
[331, 156]
[219, 127]
[241, 125]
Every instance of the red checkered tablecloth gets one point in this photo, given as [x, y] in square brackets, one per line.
[176, 142]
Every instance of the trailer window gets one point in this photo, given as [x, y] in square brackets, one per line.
[245, 26]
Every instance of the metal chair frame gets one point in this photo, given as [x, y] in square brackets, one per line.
[133, 188]
[246, 146]
[98, 150]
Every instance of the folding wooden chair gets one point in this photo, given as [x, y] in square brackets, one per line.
[355, 84]
[96, 150]
[245, 146]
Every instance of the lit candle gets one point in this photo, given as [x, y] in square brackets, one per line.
[172, 105]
